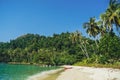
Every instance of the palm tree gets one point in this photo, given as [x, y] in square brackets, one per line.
[92, 28]
[102, 28]
[77, 37]
[111, 16]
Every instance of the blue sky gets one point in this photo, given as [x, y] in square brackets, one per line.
[46, 17]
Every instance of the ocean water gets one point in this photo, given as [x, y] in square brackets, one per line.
[20, 72]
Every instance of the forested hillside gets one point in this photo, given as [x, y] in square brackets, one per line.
[33, 48]
[71, 48]
[60, 49]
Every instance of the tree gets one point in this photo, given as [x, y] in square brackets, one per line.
[110, 48]
[92, 28]
[76, 37]
[111, 15]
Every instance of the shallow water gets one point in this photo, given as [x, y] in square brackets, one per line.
[20, 72]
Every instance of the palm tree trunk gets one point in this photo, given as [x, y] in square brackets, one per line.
[83, 48]
[96, 42]
[86, 52]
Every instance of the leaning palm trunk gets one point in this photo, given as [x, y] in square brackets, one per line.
[76, 37]
[96, 43]
[84, 47]
[84, 50]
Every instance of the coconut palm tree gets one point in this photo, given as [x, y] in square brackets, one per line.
[92, 28]
[102, 28]
[77, 37]
[111, 16]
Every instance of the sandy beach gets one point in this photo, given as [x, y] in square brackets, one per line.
[90, 73]
[43, 75]
[80, 73]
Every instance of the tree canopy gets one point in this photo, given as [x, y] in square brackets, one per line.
[70, 48]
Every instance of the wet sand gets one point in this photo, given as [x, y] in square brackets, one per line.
[46, 75]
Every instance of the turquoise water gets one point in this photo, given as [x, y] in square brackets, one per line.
[20, 72]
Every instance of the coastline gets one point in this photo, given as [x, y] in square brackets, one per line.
[83, 65]
[78, 73]
[68, 72]
[89, 73]
[24, 63]
[45, 74]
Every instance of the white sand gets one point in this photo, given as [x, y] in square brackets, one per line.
[89, 73]
[81, 73]
[42, 75]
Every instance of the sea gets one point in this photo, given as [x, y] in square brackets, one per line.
[20, 72]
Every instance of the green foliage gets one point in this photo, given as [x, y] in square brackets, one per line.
[59, 50]
[69, 48]
[110, 47]
[107, 49]
[33, 48]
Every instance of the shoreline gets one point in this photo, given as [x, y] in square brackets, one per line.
[89, 73]
[45, 74]
[78, 73]
[23, 63]
[83, 65]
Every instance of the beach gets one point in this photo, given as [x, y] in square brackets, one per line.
[80, 73]
[45, 75]
[90, 73]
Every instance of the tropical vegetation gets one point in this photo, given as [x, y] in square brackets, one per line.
[71, 48]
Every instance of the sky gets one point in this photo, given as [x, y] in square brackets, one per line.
[46, 17]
